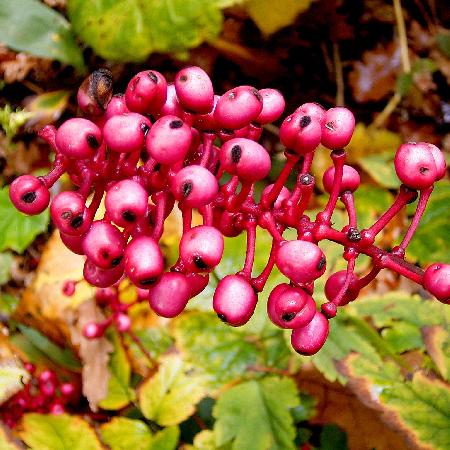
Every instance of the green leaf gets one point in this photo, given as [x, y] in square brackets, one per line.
[124, 434]
[18, 231]
[443, 42]
[8, 304]
[32, 27]
[437, 343]
[12, 380]
[255, 415]
[205, 441]
[370, 203]
[271, 16]
[333, 438]
[166, 439]
[6, 260]
[430, 241]
[12, 120]
[381, 168]
[63, 357]
[119, 391]
[223, 352]
[63, 432]
[129, 30]
[306, 409]
[404, 83]
[170, 395]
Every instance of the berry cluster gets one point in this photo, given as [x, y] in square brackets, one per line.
[43, 394]
[163, 144]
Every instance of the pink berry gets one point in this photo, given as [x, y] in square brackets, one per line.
[207, 122]
[78, 138]
[73, 243]
[29, 195]
[201, 248]
[126, 133]
[439, 160]
[126, 202]
[170, 295]
[415, 165]
[309, 339]
[172, 105]
[194, 186]
[104, 245]
[313, 110]
[195, 90]
[197, 283]
[337, 129]
[245, 158]
[301, 261]
[234, 300]
[300, 133]
[169, 140]
[238, 107]
[273, 106]
[123, 322]
[282, 196]
[93, 330]
[436, 280]
[95, 92]
[350, 179]
[143, 261]
[290, 307]
[69, 213]
[146, 92]
[334, 284]
[105, 296]
[100, 277]
[116, 106]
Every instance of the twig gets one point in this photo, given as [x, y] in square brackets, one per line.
[387, 111]
[403, 40]
[339, 75]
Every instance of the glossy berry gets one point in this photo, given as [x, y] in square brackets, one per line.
[116, 106]
[245, 158]
[273, 106]
[439, 160]
[126, 202]
[143, 261]
[73, 243]
[170, 295]
[436, 281]
[78, 138]
[290, 307]
[122, 322]
[93, 330]
[29, 194]
[301, 261]
[313, 110]
[126, 133]
[194, 90]
[197, 283]
[415, 165]
[201, 248]
[334, 284]
[194, 186]
[169, 140]
[69, 213]
[350, 179]
[238, 107]
[234, 300]
[207, 122]
[338, 127]
[309, 339]
[172, 105]
[104, 245]
[300, 133]
[146, 92]
[100, 277]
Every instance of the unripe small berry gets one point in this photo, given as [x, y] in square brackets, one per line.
[29, 194]
[415, 165]
[338, 127]
[93, 330]
[350, 179]
[122, 322]
[78, 138]
[234, 300]
[309, 339]
[301, 261]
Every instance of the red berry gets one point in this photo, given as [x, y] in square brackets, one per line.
[309, 339]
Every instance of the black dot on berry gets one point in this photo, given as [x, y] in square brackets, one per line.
[29, 197]
[152, 77]
[236, 153]
[105, 254]
[256, 93]
[306, 179]
[305, 121]
[128, 216]
[116, 261]
[148, 281]
[186, 188]
[288, 316]
[198, 261]
[329, 126]
[222, 318]
[145, 128]
[66, 215]
[176, 124]
[227, 132]
[76, 222]
[231, 96]
[321, 263]
[183, 78]
[92, 141]
[423, 170]
[157, 167]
